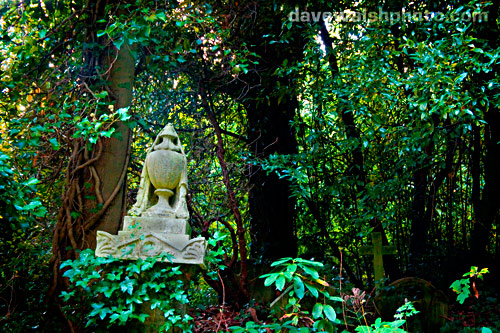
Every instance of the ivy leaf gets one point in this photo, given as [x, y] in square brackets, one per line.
[123, 113]
[54, 143]
[114, 317]
[142, 317]
[108, 133]
[127, 286]
[101, 94]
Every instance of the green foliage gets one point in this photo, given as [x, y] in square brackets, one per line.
[24, 250]
[24, 266]
[418, 92]
[296, 279]
[92, 129]
[405, 310]
[200, 293]
[382, 327]
[379, 326]
[116, 292]
[252, 327]
[462, 287]
[215, 255]
[20, 206]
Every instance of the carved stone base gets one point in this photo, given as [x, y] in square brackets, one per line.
[156, 224]
[145, 237]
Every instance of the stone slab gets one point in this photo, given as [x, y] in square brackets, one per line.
[156, 224]
[430, 301]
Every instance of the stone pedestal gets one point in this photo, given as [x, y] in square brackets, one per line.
[144, 237]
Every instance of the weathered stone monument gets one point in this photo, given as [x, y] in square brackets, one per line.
[429, 301]
[159, 219]
[377, 250]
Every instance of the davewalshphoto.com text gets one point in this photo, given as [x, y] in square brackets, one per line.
[372, 16]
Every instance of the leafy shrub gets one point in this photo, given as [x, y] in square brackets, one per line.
[296, 279]
[24, 250]
[462, 286]
[118, 292]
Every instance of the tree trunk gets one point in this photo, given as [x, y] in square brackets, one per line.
[111, 166]
[94, 197]
[271, 207]
[270, 103]
[487, 208]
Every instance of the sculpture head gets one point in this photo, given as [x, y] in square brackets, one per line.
[168, 139]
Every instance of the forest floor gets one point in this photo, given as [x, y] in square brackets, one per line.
[472, 316]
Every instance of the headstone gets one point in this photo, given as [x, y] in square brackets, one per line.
[430, 301]
[377, 250]
[159, 220]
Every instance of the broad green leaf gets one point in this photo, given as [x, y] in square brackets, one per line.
[317, 310]
[298, 287]
[270, 280]
[31, 181]
[281, 261]
[280, 282]
[291, 268]
[329, 312]
[312, 289]
[310, 271]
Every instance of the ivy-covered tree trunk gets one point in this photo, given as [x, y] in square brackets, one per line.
[95, 192]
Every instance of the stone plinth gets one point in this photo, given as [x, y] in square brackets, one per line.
[134, 245]
[149, 236]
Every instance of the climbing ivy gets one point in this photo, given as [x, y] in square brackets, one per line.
[113, 292]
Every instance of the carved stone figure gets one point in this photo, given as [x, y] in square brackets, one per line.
[159, 224]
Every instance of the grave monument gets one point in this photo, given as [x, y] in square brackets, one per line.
[431, 303]
[158, 222]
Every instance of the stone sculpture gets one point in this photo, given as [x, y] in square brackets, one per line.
[159, 219]
[166, 170]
